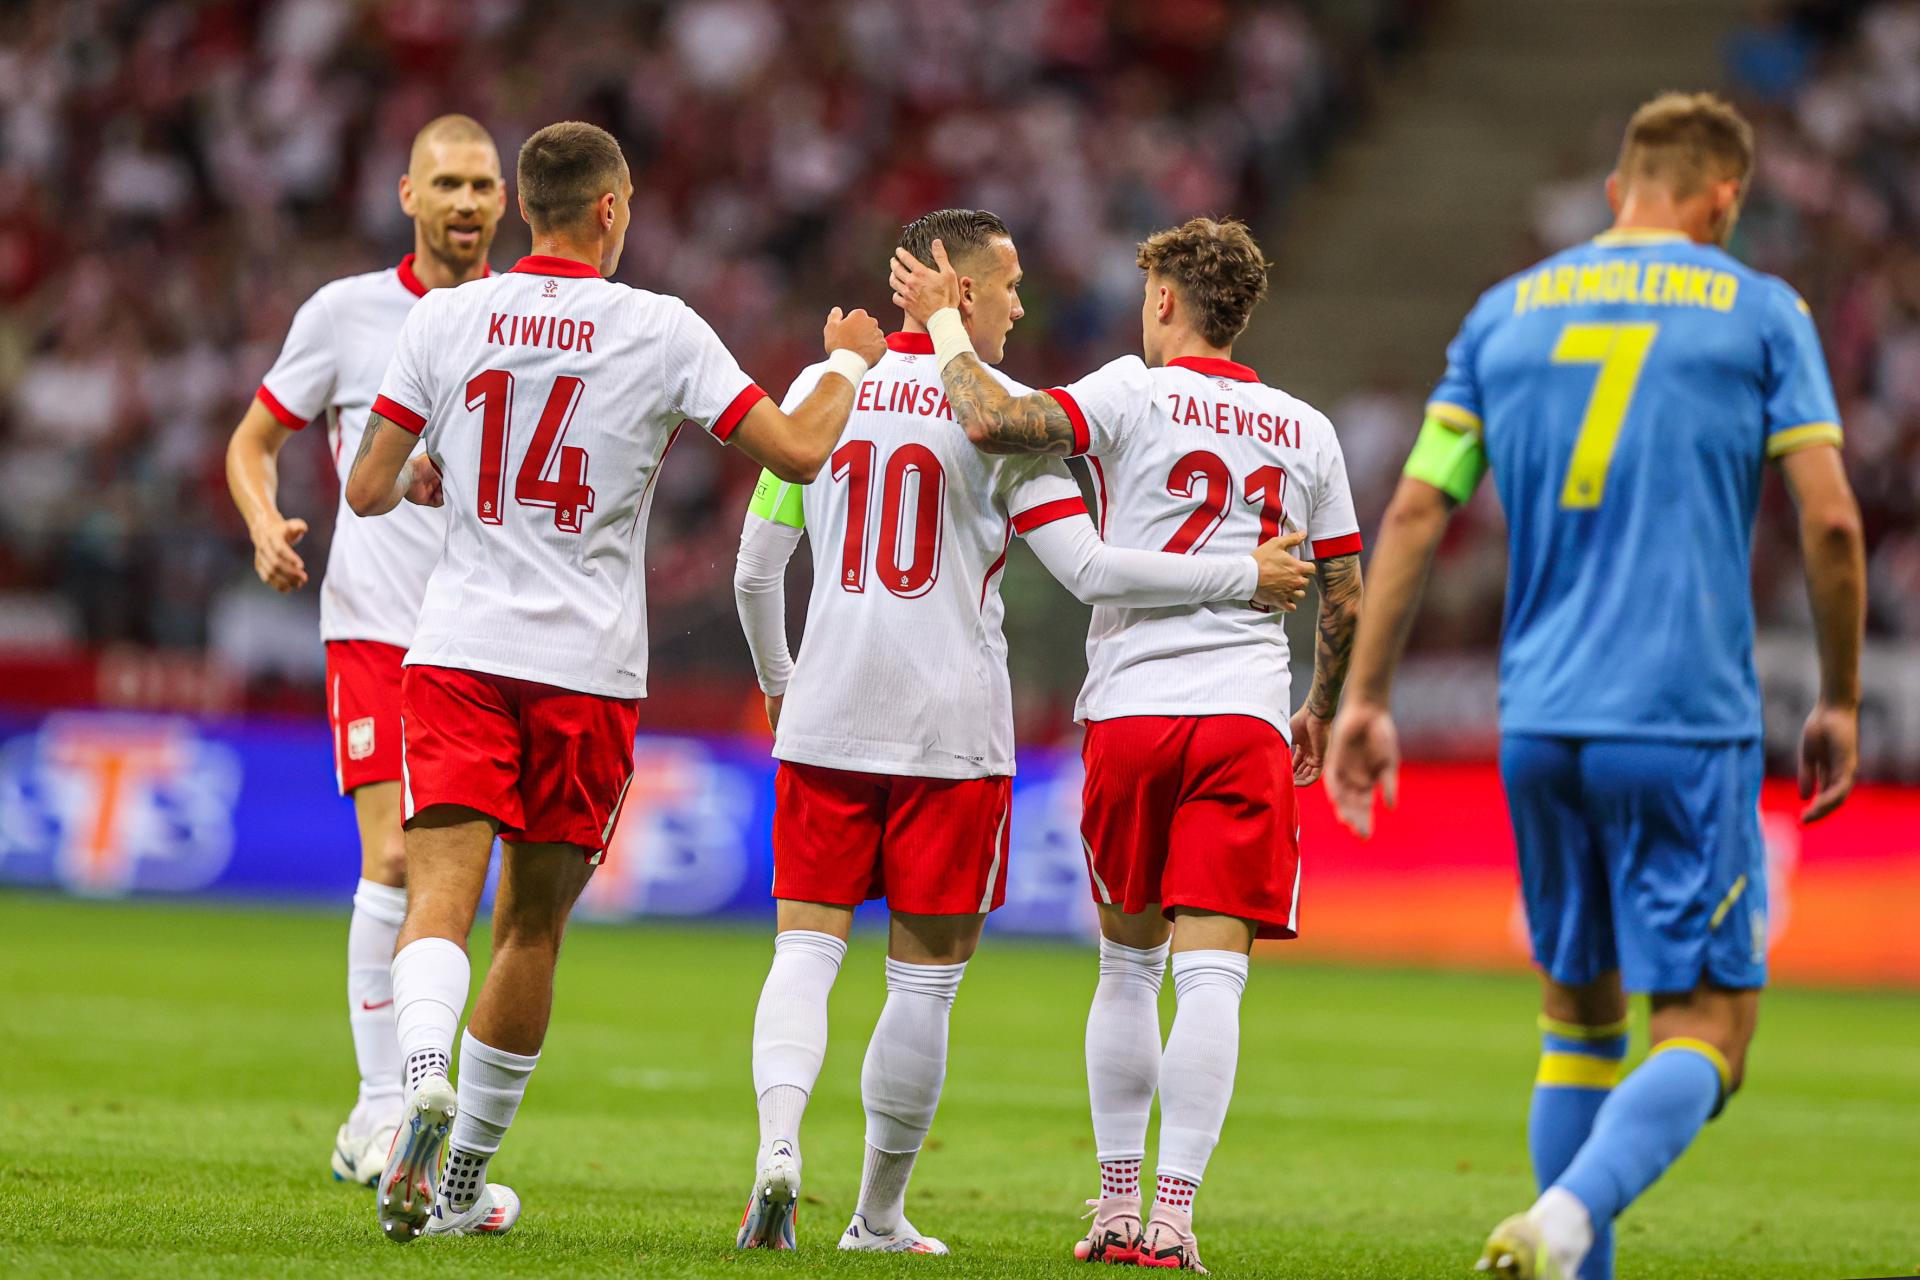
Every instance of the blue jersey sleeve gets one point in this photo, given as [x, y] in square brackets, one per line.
[1800, 409]
[1456, 401]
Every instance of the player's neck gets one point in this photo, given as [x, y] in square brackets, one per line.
[436, 274]
[568, 247]
[1659, 212]
[1192, 347]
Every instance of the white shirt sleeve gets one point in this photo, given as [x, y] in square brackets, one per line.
[760, 594]
[1108, 406]
[1100, 574]
[1332, 527]
[299, 386]
[407, 388]
[705, 384]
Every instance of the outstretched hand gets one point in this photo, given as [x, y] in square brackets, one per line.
[920, 290]
[274, 557]
[1283, 575]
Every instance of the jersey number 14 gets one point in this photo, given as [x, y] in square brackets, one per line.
[552, 473]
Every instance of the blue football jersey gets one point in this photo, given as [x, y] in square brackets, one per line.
[1629, 393]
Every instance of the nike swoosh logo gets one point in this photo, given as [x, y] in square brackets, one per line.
[369, 1006]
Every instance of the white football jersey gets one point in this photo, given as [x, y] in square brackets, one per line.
[335, 353]
[1200, 455]
[904, 665]
[548, 397]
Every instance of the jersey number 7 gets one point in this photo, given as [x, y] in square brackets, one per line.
[1620, 350]
[565, 491]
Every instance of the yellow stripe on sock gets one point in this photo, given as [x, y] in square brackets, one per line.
[1726, 903]
[1705, 1050]
[1580, 1031]
[1579, 1071]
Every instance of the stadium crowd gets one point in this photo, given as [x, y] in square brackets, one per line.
[176, 178]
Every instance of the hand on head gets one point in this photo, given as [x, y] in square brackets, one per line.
[920, 290]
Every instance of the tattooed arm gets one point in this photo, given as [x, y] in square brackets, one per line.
[1340, 595]
[998, 421]
[382, 477]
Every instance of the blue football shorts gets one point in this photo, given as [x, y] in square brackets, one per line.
[1642, 856]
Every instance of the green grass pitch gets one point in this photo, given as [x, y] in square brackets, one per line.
[170, 1079]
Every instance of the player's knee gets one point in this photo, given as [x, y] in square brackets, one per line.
[391, 860]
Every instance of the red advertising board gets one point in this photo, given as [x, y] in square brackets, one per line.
[1437, 883]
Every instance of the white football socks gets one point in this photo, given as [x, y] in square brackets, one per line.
[1123, 1060]
[790, 1030]
[430, 979]
[900, 1082]
[378, 910]
[492, 1082]
[1196, 1071]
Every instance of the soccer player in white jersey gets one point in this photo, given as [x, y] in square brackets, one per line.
[376, 570]
[1189, 813]
[895, 730]
[547, 399]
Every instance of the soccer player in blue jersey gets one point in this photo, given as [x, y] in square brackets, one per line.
[1627, 396]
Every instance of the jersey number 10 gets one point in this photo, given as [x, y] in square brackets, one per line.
[565, 489]
[853, 463]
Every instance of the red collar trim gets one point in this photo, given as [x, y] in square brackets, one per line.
[539, 264]
[1214, 367]
[913, 344]
[411, 278]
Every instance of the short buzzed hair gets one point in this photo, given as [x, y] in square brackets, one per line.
[454, 128]
[564, 169]
[1216, 267]
[1685, 141]
[964, 233]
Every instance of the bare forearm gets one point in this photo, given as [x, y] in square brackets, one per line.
[253, 478]
[998, 421]
[1340, 595]
[1836, 563]
[377, 481]
[1410, 535]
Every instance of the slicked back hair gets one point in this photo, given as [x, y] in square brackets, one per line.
[1685, 141]
[1216, 267]
[965, 233]
[564, 169]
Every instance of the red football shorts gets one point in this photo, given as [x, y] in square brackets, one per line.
[929, 846]
[363, 706]
[1193, 811]
[550, 765]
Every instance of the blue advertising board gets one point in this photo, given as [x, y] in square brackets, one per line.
[113, 804]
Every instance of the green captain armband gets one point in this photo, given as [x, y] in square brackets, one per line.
[776, 500]
[1449, 459]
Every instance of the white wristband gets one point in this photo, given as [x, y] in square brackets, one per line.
[949, 334]
[849, 364]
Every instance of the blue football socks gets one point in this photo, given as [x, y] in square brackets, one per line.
[1579, 1066]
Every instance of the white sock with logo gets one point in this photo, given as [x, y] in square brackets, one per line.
[790, 1030]
[492, 1083]
[900, 1082]
[430, 981]
[378, 910]
[1123, 1060]
[1196, 1071]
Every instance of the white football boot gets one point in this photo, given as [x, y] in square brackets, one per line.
[773, 1208]
[1517, 1250]
[1115, 1234]
[904, 1238]
[405, 1201]
[361, 1158]
[492, 1213]
[1168, 1241]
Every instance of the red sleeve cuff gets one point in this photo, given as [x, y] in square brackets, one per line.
[1347, 544]
[1082, 439]
[288, 418]
[729, 418]
[399, 415]
[1032, 518]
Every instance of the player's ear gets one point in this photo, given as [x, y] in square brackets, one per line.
[406, 194]
[1163, 308]
[1614, 192]
[521, 200]
[966, 295]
